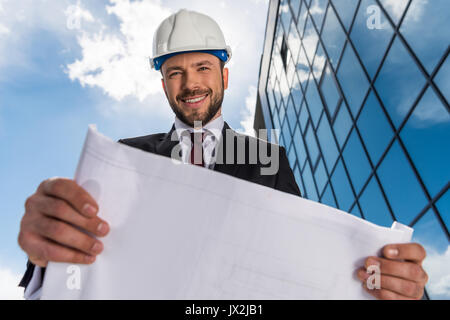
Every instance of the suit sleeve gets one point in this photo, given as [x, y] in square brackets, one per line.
[285, 180]
[27, 276]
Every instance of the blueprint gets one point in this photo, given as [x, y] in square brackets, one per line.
[185, 232]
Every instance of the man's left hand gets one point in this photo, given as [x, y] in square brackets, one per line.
[402, 275]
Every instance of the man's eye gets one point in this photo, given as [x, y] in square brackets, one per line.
[203, 68]
[174, 74]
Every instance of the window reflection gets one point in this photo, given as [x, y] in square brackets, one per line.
[353, 80]
[427, 139]
[374, 128]
[426, 28]
[342, 188]
[399, 82]
[370, 43]
[357, 164]
[402, 188]
[333, 37]
[373, 205]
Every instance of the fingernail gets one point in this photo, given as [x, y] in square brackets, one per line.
[102, 228]
[373, 262]
[97, 247]
[393, 252]
[364, 275]
[89, 259]
[89, 210]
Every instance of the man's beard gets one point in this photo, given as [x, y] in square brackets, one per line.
[204, 117]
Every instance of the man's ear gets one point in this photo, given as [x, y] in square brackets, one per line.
[225, 78]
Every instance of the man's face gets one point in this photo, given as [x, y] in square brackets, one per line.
[194, 85]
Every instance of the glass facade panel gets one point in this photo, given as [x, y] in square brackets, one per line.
[304, 116]
[299, 147]
[399, 82]
[333, 37]
[346, 10]
[370, 43]
[342, 125]
[374, 128]
[427, 139]
[373, 205]
[317, 9]
[309, 183]
[326, 141]
[303, 70]
[357, 164]
[327, 197]
[426, 26]
[321, 176]
[395, 8]
[310, 39]
[342, 188]
[297, 94]
[353, 80]
[330, 91]
[313, 101]
[311, 145]
[319, 62]
[442, 79]
[402, 188]
[443, 206]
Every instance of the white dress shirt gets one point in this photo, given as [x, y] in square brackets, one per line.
[213, 134]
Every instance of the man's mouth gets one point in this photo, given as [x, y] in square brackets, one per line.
[194, 101]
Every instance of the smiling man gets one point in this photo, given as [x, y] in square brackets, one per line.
[190, 52]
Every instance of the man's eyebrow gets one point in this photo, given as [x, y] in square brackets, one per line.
[200, 63]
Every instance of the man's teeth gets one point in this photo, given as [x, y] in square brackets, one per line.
[195, 100]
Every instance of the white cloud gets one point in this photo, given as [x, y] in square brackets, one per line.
[8, 285]
[117, 62]
[397, 7]
[4, 30]
[248, 114]
[438, 268]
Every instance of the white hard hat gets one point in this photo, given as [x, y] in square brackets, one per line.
[187, 31]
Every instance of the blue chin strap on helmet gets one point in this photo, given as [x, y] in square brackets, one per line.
[221, 54]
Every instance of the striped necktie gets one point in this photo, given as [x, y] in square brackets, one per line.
[197, 148]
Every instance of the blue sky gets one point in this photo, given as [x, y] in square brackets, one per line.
[67, 64]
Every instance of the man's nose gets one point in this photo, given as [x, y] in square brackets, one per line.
[191, 81]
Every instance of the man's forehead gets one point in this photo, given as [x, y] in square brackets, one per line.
[190, 59]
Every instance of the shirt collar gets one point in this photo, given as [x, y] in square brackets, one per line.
[215, 127]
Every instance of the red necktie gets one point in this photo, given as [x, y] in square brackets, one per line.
[197, 148]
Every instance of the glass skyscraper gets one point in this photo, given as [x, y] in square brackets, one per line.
[359, 91]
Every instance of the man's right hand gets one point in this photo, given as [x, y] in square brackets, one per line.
[50, 227]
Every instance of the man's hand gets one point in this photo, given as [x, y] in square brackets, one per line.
[402, 275]
[50, 227]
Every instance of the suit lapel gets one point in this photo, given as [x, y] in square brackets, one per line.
[166, 145]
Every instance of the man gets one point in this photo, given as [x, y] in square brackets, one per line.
[190, 50]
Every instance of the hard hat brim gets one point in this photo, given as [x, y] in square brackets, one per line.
[222, 54]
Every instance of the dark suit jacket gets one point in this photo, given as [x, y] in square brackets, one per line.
[162, 144]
